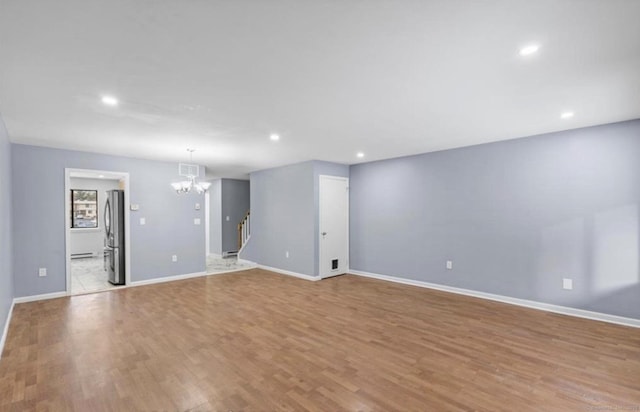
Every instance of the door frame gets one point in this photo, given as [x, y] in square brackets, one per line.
[207, 225]
[346, 180]
[124, 176]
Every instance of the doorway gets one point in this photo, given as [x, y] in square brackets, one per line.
[334, 226]
[87, 263]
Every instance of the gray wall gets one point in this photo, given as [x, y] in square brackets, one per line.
[91, 240]
[235, 204]
[215, 217]
[38, 212]
[515, 217]
[6, 269]
[285, 215]
[282, 218]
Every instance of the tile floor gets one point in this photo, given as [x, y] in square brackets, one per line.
[217, 264]
[88, 275]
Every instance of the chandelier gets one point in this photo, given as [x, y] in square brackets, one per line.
[190, 171]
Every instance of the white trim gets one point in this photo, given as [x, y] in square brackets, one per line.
[207, 223]
[289, 273]
[6, 327]
[168, 279]
[182, 277]
[563, 310]
[222, 272]
[346, 180]
[56, 295]
[127, 229]
[67, 222]
[44, 296]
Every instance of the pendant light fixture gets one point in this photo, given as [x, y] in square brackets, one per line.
[191, 172]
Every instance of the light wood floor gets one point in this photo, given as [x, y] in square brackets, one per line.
[260, 341]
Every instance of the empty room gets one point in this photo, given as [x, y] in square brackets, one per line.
[323, 205]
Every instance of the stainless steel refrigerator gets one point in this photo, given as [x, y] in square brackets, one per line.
[114, 236]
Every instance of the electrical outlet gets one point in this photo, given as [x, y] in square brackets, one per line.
[286, 254]
[567, 283]
[227, 218]
[196, 221]
[449, 264]
[174, 258]
[143, 221]
[42, 272]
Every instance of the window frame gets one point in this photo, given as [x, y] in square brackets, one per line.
[73, 210]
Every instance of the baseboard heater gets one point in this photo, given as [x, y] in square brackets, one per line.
[82, 255]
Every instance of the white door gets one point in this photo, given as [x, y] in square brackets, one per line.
[334, 226]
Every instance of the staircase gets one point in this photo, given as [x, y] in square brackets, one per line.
[244, 230]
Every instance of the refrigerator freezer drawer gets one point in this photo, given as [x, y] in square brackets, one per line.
[114, 264]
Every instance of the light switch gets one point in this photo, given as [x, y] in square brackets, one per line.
[567, 284]
[196, 221]
[134, 207]
[143, 221]
[227, 218]
[197, 206]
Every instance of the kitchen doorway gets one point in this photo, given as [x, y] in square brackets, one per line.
[92, 262]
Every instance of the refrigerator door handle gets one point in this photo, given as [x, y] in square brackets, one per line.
[107, 219]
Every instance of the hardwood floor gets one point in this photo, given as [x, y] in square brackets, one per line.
[260, 341]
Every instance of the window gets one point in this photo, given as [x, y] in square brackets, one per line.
[84, 209]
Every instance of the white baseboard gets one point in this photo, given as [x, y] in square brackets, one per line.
[247, 262]
[25, 299]
[289, 273]
[44, 296]
[55, 295]
[168, 279]
[563, 310]
[6, 327]
[224, 272]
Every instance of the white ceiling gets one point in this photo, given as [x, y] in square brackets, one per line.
[388, 78]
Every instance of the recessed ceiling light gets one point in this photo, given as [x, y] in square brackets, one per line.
[360, 154]
[101, 176]
[109, 100]
[529, 50]
[566, 115]
[274, 137]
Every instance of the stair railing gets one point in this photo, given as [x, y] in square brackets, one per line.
[244, 230]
